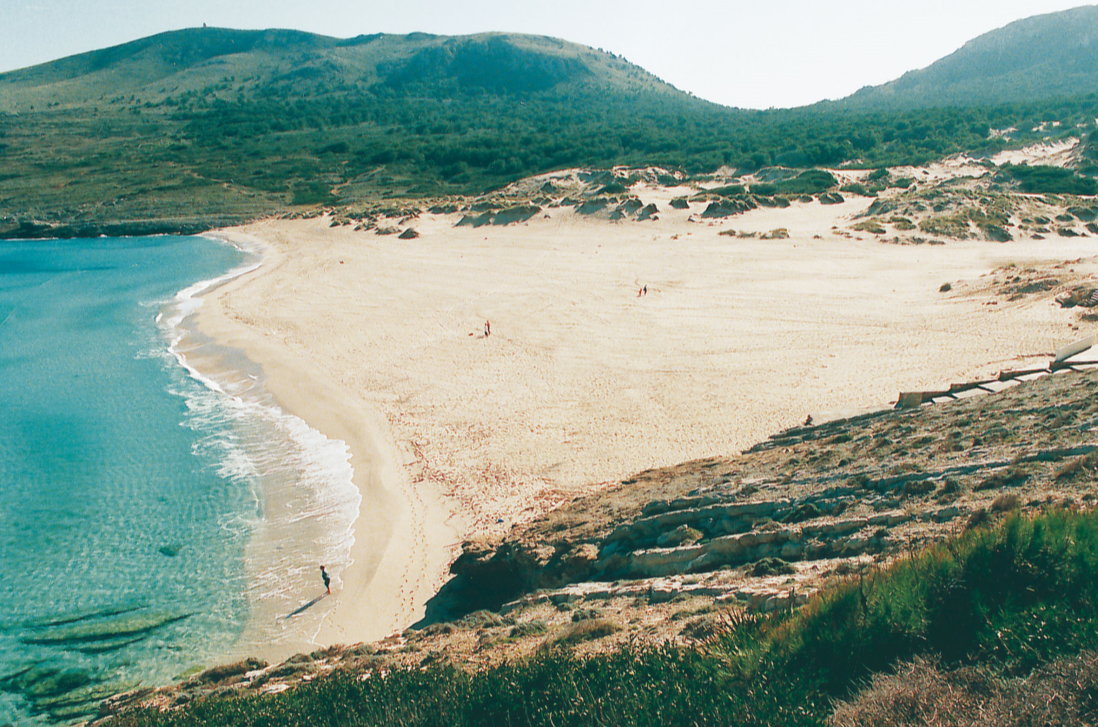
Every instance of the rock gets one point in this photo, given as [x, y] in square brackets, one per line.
[226, 671]
[946, 514]
[682, 535]
[995, 233]
[663, 561]
[578, 563]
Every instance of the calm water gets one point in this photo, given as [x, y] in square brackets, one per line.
[133, 490]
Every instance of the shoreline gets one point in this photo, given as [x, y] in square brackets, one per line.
[378, 342]
[399, 534]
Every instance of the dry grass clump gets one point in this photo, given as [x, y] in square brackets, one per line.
[977, 519]
[919, 693]
[1006, 503]
[1086, 464]
[1011, 477]
[586, 630]
[950, 490]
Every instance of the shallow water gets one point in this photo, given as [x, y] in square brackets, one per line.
[153, 519]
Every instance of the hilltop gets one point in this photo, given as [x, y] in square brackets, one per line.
[171, 65]
[1046, 56]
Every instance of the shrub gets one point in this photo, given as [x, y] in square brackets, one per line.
[1006, 503]
[1086, 464]
[921, 693]
[811, 181]
[528, 628]
[312, 193]
[871, 226]
[586, 630]
[1038, 179]
[858, 189]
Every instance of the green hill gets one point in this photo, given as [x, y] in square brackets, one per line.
[209, 125]
[204, 127]
[1039, 57]
[164, 66]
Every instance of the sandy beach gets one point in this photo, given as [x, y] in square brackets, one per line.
[585, 380]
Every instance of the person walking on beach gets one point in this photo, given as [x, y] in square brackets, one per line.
[487, 329]
[327, 580]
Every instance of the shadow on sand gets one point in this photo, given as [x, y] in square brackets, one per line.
[304, 608]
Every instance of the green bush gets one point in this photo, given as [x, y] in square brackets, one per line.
[811, 181]
[1051, 180]
[310, 193]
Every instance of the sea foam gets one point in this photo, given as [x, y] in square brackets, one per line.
[306, 502]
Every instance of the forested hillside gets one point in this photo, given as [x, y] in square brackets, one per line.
[201, 127]
[1046, 56]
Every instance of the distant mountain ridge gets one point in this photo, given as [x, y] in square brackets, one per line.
[1039, 57]
[191, 59]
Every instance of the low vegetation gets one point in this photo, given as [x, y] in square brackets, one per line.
[1016, 601]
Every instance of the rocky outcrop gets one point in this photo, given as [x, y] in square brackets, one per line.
[864, 487]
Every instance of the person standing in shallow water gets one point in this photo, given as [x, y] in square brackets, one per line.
[327, 579]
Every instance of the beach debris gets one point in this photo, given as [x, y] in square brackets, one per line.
[1066, 352]
[1084, 296]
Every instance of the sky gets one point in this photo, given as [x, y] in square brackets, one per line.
[745, 53]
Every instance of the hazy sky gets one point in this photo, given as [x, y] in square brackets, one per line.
[753, 54]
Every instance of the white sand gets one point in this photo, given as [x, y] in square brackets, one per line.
[379, 342]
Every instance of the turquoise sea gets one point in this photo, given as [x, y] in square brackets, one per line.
[139, 466]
